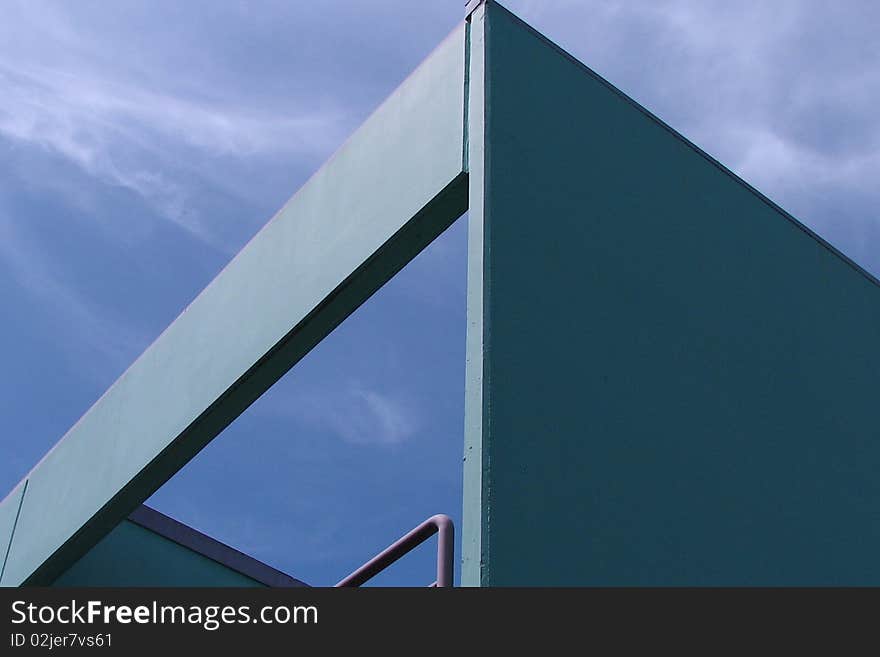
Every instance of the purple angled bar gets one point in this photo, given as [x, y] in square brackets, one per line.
[440, 525]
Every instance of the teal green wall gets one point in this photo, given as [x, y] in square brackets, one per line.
[676, 383]
[132, 555]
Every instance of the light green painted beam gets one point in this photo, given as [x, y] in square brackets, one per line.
[394, 186]
[9, 512]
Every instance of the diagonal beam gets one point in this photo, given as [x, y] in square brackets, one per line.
[396, 184]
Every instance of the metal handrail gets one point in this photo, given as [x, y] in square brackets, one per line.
[440, 525]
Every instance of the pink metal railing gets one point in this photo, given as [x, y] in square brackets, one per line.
[440, 525]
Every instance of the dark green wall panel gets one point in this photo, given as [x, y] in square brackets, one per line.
[680, 381]
[132, 555]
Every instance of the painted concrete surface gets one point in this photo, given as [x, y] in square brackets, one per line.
[132, 555]
[679, 382]
[472, 463]
[395, 185]
[9, 511]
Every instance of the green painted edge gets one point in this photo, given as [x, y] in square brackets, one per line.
[21, 495]
[475, 506]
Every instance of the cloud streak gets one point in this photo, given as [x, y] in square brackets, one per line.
[353, 413]
[132, 137]
[783, 93]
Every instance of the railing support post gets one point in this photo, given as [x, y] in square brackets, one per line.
[440, 525]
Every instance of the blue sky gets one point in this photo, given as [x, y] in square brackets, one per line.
[142, 144]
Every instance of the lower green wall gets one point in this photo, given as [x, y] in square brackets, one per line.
[132, 555]
[680, 384]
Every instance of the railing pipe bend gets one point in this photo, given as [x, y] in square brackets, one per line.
[440, 525]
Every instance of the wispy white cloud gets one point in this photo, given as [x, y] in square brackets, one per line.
[133, 137]
[784, 93]
[776, 161]
[109, 92]
[71, 91]
[74, 102]
[354, 413]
